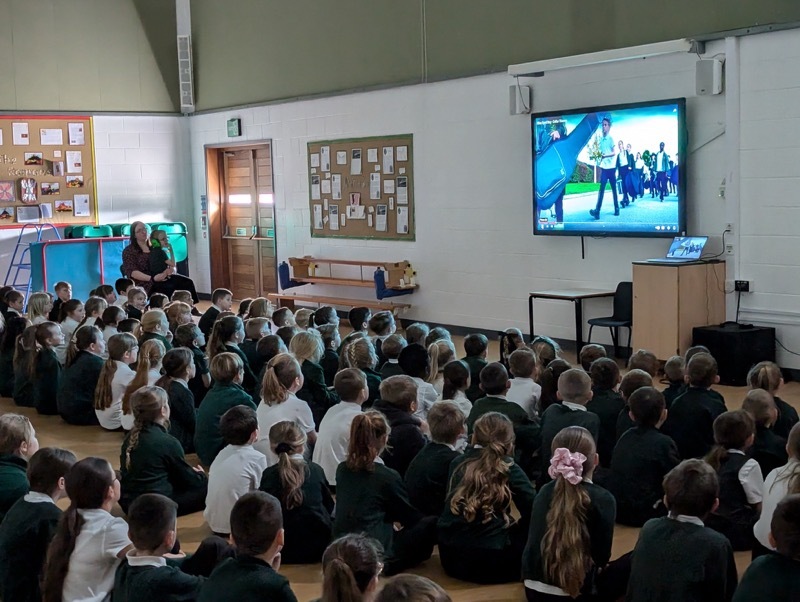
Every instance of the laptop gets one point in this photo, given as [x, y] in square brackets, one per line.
[684, 249]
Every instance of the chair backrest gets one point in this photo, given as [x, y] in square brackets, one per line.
[176, 233]
[623, 302]
[91, 232]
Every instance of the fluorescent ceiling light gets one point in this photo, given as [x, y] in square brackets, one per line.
[536, 68]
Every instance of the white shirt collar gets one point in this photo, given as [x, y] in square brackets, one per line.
[685, 518]
[450, 445]
[393, 361]
[135, 560]
[183, 382]
[736, 451]
[34, 497]
[350, 404]
[574, 406]
[378, 460]
[503, 397]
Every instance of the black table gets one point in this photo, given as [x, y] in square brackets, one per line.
[577, 296]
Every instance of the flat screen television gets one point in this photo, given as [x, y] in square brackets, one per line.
[616, 170]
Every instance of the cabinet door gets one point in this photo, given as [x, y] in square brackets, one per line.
[701, 299]
[655, 309]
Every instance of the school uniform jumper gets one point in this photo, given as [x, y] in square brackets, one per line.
[315, 392]
[428, 476]
[246, 579]
[787, 418]
[23, 384]
[250, 349]
[485, 551]
[141, 578]
[735, 516]
[405, 439]
[220, 398]
[250, 383]
[374, 386]
[308, 527]
[559, 416]
[7, 373]
[45, 385]
[391, 368]
[476, 364]
[672, 392]
[641, 459]
[607, 404]
[770, 578]
[206, 323]
[690, 422]
[76, 389]
[154, 336]
[13, 481]
[769, 450]
[182, 414]
[330, 365]
[157, 465]
[196, 385]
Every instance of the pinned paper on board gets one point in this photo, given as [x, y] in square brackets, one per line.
[388, 186]
[315, 193]
[76, 134]
[333, 211]
[74, 162]
[355, 162]
[388, 159]
[326, 186]
[402, 153]
[325, 204]
[325, 158]
[314, 159]
[401, 171]
[342, 220]
[380, 218]
[341, 157]
[51, 136]
[317, 217]
[402, 190]
[81, 202]
[19, 132]
[369, 221]
[374, 186]
[391, 203]
[372, 155]
[336, 186]
[355, 210]
[402, 220]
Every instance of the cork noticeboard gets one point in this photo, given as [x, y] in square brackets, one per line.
[46, 171]
[362, 188]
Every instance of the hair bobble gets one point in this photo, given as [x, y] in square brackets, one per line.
[567, 464]
[283, 448]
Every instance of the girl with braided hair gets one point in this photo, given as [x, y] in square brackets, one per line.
[572, 525]
[478, 539]
[361, 354]
[152, 460]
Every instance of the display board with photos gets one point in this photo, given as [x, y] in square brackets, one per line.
[46, 170]
[362, 188]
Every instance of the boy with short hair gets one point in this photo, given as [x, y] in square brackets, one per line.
[674, 372]
[427, 475]
[236, 470]
[590, 353]
[282, 317]
[221, 300]
[333, 438]
[254, 329]
[383, 325]
[63, 294]
[677, 557]
[607, 403]
[359, 318]
[145, 574]
[391, 347]
[574, 391]
[633, 380]
[776, 577]
[417, 333]
[524, 390]
[121, 285]
[641, 459]
[398, 403]
[257, 533]
[476, 346]
[644, 360]
[331, 341]
[691, 418]
[30, 524]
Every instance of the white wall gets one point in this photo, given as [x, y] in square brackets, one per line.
[475, 255]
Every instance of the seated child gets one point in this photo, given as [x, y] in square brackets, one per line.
[93, 309]
[18, 443]
[286, 334]
[244, 308]
[351, 566]
[391, 348]
[437, 334]
[741, 484]
[190, 336]
[382, 325]
[24, 358]
[674, 372]
[267, 348]
[145, 574]
[779, 483]
[152, 460]
[575, 392]
[30, 524]
[227, 334]
[410, 588]
[323, 316]
[360, 354]
[641, 459]
[476, 347]
[589, 353]
[122, 286]
[413, 362]
[572, 522]
[221, 300]
[691, 417]
[137, 302]
[330, 359]
[427, 477]
[351, 338]
[178, 366]
[371, 497]
[15, 301]
[184, 297]
[440, 353]
[257, 533]
[767, 376]
[302, 318]
[89, 542]
[359, 318]
[607, 403]
[155, 327]
[308, 349]
[39, 306]
[334, 430]
[115, 376]
[236, 470]
[148, 372]
[398, 403]
[178, 313]
[111, 318]
[546, 350]
[227, 371]
[456, 384]
[72, 314]
[75, 398]
[631, 382]
[768, 449]
[661, 568]
[254, 329]
[548, 380]
[303, 492]
[161, 256]
[157, 301]
[416, 333]
[130, 325]
[510, 340]
[282, 317]
[644, 360]
[14, 327]
[63, 294]
[524, 390]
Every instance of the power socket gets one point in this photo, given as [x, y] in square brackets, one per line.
[729, 228]
[741, 286]
[729, 249]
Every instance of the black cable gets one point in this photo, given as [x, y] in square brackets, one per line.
[738, 300]
[785, 348]
[724, 232]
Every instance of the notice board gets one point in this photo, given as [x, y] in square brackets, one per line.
[362, 188]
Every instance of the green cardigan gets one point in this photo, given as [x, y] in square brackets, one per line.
[76, 390]
[162, 583]
[770, 578]
[208, 441]
[13, 481]
[246, 579]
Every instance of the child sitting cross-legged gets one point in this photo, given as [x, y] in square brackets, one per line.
[769, 450]
[307, 347]
[45, 371]
[476, 347]
[407, 437]
[607, 403]
[455, 385]
[589, 353]
[178, 367]
[391, 348]
[631, 382]
[116, 375]
[768, 376]
[351, 566]
[227, 334]
[18, 443]
[641, 459]
[524, 390]
[674, 373]
[677, 557]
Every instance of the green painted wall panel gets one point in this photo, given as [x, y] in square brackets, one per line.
[250, 51]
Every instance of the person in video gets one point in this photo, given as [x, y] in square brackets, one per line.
[608, 168]
[662, 168]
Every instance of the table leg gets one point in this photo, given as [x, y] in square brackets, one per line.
[578, 325]
[530, 317]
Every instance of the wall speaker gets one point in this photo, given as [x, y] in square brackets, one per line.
[185, 75]
[708, 77]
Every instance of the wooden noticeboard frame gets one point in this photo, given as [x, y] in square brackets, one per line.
[47, 177]
[342, 175]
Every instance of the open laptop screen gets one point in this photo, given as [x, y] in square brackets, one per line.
[687, 247]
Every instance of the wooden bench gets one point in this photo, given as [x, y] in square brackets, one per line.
[289, 299]
[306, 270]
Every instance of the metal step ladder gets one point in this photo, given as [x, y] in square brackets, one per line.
[21, 259]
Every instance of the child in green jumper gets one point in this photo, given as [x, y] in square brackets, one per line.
[18, 443]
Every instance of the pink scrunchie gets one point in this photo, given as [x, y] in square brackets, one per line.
[567, 464]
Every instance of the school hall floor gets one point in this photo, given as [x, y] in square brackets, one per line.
[306, 579]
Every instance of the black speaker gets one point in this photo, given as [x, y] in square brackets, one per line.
[736, 347]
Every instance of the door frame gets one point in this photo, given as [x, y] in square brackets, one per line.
[215, 190]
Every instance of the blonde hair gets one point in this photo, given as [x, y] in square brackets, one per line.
[147, 404]
[118, 346]
[765, 375]
[183, 297]
[154, 318]
[307, 345]
[150, 355]
[95, 305]
[361, 354]
[286, 439]
[37, 304]
[792, 476]
[175, 310]
[302, 317]
[760, 404]
[565, 547]
[369, 433]
[254, 326]
[281, 372]
[260, 308]
[15, 429]
[484, 490]
[225, 367]
[441, 353]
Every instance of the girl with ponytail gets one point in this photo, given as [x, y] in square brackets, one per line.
[89, 543]
[572, 526]
[308, 348]
[456, 382]
[39, 307]
[148, 371]
[44, 370]
[361, 354]
[228, 333]
[478, 539]
[178, 366]
[303, 491]
[441, 353]
[371, 497]
[24, 356]
[116, 375]
[13, 328]
[76, 390]
[768, 376]
[350, 569]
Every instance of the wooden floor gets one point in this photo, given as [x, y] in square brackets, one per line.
[306, 579]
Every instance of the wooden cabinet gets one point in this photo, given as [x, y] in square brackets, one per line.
[669, 300]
